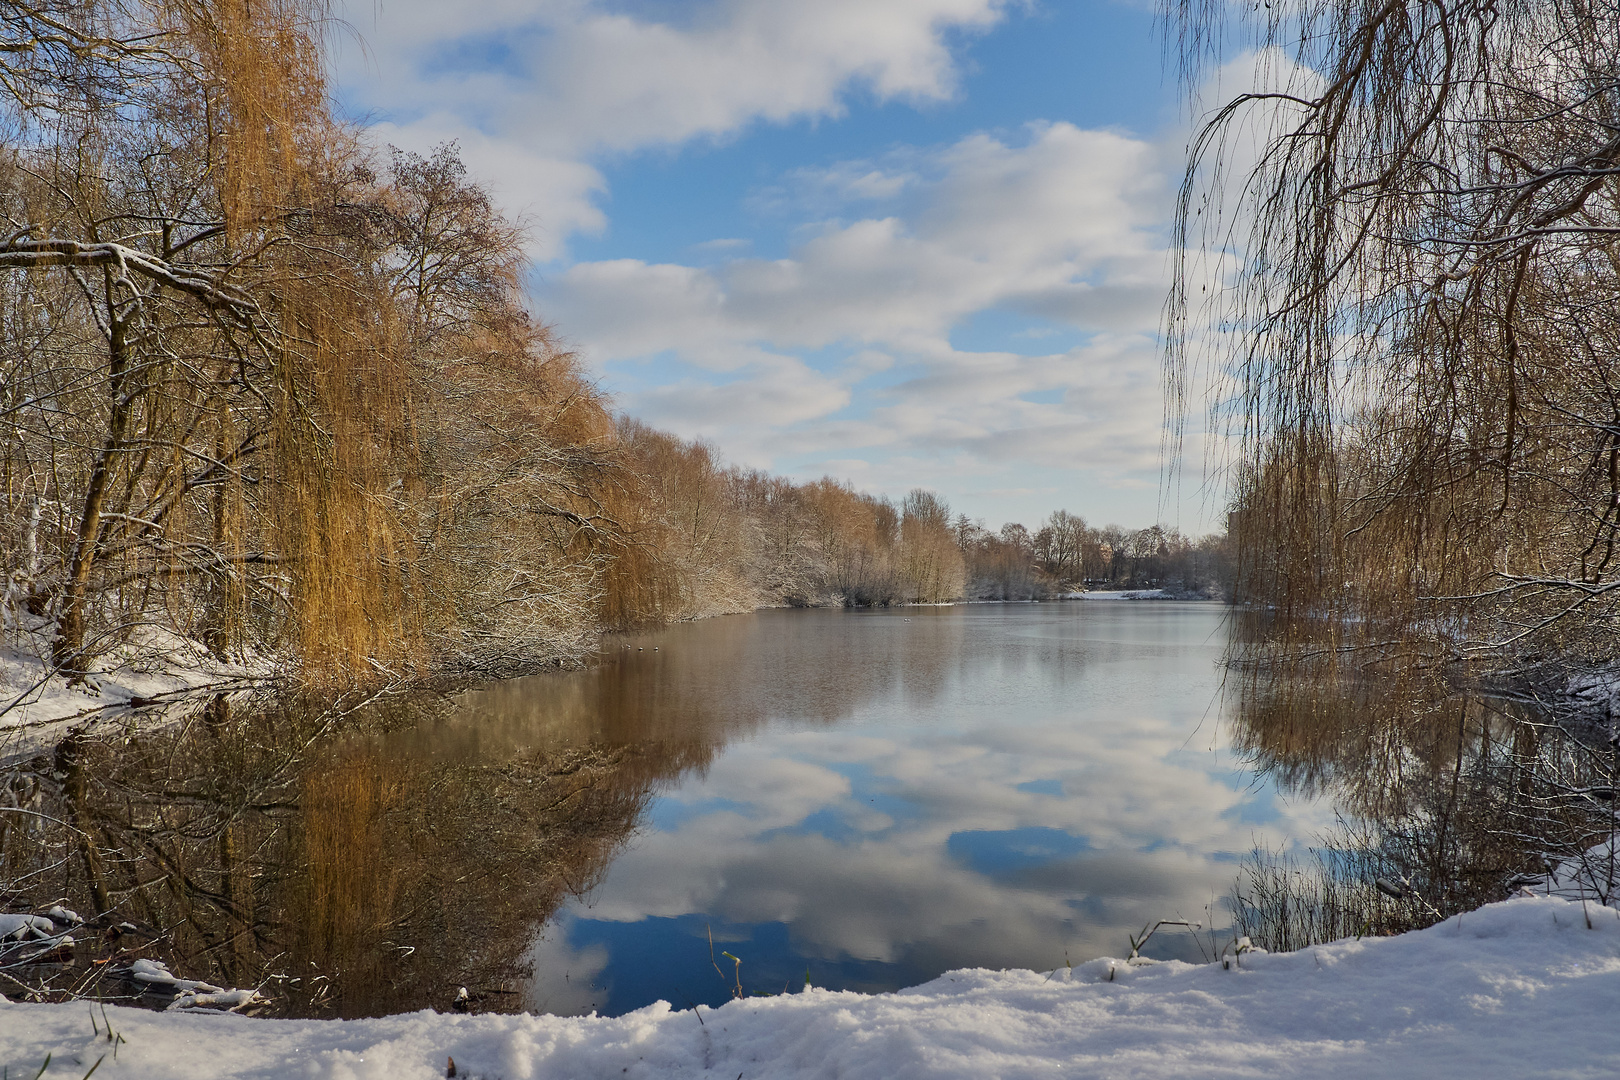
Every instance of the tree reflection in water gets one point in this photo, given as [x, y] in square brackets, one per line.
[1456, 793]
[354, 859]
[310, 851]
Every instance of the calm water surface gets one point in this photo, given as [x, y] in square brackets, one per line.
[870, 797]
[878, 797]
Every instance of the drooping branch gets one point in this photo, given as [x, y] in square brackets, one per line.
[1416, 310]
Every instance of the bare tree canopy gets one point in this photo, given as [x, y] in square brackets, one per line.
[1412, 306]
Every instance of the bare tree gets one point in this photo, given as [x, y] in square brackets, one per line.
[931, 563]
[1425, 315]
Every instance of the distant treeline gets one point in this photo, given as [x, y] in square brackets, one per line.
[1065, 554]
[268, 393]
[729, 539]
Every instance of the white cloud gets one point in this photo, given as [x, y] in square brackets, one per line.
[573, 76]
[535, 91]
[1057, 226]
[747, 411]
[1063, 225]
[626, 308]
[1001, 224]
[826, 191]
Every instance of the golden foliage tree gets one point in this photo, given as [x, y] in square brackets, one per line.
[260, 391]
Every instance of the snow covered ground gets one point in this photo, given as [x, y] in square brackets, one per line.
[163, 676]
[1527, 987]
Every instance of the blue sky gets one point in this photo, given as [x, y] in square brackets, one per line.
[901, 242]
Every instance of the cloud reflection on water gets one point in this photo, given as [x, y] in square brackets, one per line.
[1029, 783]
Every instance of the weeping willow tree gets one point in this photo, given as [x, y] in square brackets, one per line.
[261, 391]
[205, 395]
[1411, 309]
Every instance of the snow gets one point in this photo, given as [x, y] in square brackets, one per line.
[1594, 873]
[25, 926]
[1524, 987]
[1596, 687]
[189, 993]
[163, 676]
[1119, 594]
[25, 938]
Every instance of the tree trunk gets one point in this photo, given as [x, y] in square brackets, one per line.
[68, 648]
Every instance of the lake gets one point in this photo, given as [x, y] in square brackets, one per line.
[866, 798]
[875, 797]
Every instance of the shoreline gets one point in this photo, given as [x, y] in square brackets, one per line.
[126, 691]
[1456, 1001]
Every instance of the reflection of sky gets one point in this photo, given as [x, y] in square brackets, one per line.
[1057, 781]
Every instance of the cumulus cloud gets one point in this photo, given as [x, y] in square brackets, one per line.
[535, 91]
[1053, 235]
[1061, 224]
[1002, 223]
[574, 76]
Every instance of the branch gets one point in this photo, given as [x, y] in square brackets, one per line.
[22, 253]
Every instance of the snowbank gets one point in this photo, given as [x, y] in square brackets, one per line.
[161, 675]
[1593, 874]
[1515, 989]
[34, 696]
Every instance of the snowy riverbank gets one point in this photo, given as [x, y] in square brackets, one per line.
[39, 706]
[1519, 988]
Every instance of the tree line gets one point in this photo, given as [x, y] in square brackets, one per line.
[1064, 554]
[734, 539]
[271, 393]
